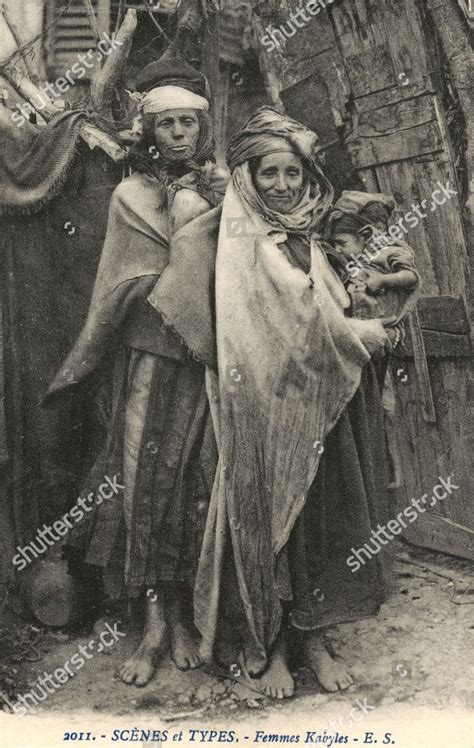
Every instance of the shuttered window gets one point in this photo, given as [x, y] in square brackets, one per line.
[71, 33]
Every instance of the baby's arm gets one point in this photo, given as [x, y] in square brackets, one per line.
[377, 281]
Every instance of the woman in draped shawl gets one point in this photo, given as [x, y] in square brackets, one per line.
[297, 414]
[157, 440]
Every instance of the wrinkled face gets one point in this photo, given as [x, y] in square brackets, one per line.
[280, 181]
[348, 244]
[176, 133]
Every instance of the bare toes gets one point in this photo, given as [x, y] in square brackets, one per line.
[184, 662]
[195, 662]
[185, 650]
[180, 663]
[143, 678]
[139, 669]
[346, 682]
[125, 675]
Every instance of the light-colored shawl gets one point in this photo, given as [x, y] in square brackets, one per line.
[289, 362]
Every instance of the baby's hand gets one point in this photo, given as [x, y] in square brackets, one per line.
[374, 282]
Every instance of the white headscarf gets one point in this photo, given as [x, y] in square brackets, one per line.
[171, 97]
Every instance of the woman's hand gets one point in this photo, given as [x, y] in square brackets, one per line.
[392, 335]
[372, 332]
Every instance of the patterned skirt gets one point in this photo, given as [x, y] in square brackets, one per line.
[160, 442]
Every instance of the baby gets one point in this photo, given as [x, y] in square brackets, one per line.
[380, 277]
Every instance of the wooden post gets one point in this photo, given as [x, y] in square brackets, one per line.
[421, 367]
[28, 91]
[19, 43]
[210, 62]
[268, 62]
[91, 134]
[455, 41]
[107, 78]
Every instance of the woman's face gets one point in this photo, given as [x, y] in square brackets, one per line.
[176, 133]
[280, 181]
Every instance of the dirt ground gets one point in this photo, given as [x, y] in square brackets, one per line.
[419, 651]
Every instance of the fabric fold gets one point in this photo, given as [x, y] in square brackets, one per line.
[192, 262]
[35, 166]
[289, 362]
[137, 247]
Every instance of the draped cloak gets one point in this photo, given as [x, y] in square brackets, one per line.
[124, 331]
[289, 362]
[135, 253]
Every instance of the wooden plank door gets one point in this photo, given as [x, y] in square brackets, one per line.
[400, 144]
[378, 79]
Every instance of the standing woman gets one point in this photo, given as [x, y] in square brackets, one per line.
[300, 478]
[147, 543]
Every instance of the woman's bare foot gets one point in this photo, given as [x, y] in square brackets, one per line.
[252, 663]
[277, 681]
[184, 644]
[332, 675]
[139, 668]
[184, 648]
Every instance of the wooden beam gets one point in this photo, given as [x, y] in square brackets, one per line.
[439, 345]
[93, 136]
[108, 77]
[421, 366]
[270, 63]
[120, 15]
[442, 534]
[395, 132]
[210, 62]
[19, 43]
[455, 42]
[444, 314]
[186, 39]
[28, 91]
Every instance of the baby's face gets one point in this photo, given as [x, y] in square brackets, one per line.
[348, 244]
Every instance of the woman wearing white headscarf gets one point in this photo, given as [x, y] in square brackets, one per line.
[158, 440]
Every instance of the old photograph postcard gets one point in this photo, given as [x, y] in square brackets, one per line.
[236, 392]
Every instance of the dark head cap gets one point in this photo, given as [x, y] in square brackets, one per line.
[173, 72]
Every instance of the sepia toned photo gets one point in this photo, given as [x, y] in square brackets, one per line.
[236, 414]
